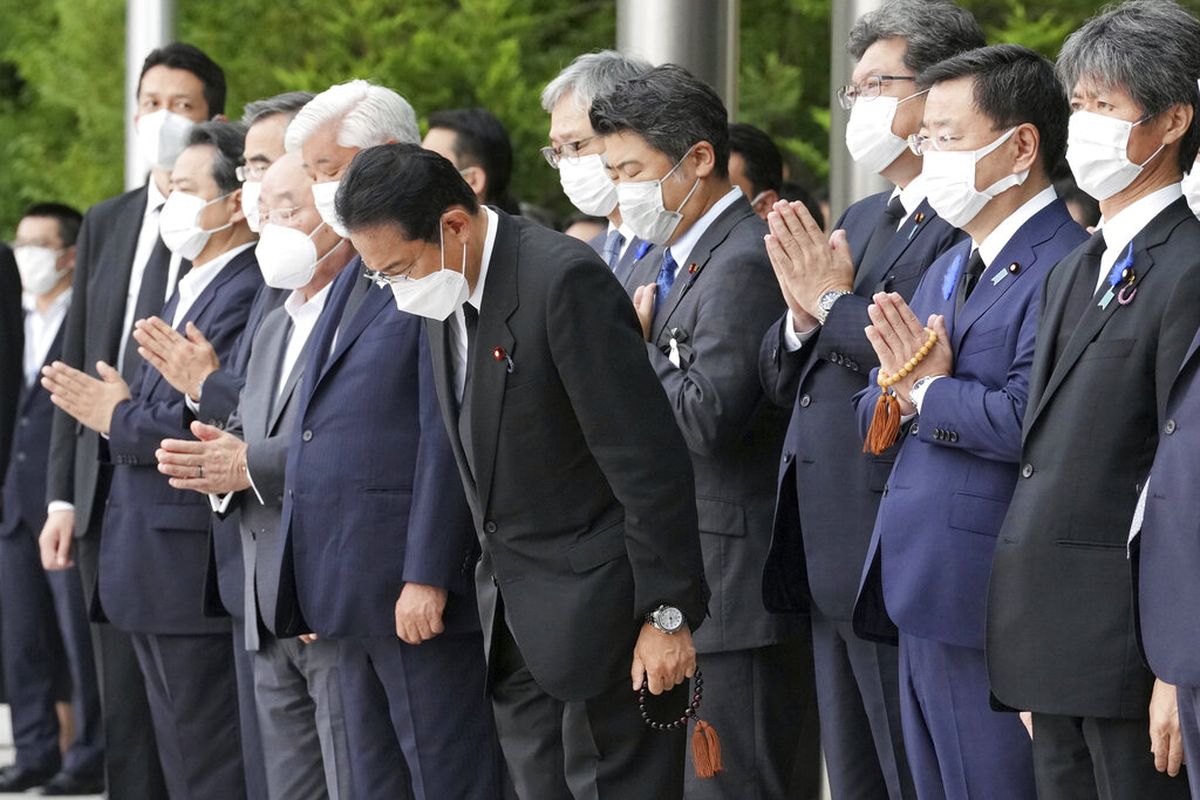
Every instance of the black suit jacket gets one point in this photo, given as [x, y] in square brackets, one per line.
[722, 302]
[828, 490]
[1060, 632]
[103, 258]
[580, 484]
[12, 349]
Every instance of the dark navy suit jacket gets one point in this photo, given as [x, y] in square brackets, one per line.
[372, 496]
[1168, 575]
[828, 490]
[954, 475]
[154, 551]
[25, 478]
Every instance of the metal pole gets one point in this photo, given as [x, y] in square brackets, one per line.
[699, 35]
[847, 181]
[148, 24]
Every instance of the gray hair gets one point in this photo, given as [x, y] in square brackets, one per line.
[369, 114]
[934, 30]
[288, 103]
[1149, 49]
[592, 75]
[228, 141]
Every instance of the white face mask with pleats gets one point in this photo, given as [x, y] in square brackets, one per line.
[161, 137]
[949, 181]
[179, 223]
[1191, 189]
[643, 209]
[436, 295]
[1098, 152]
[869, 136]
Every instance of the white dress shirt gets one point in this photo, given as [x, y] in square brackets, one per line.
[192, 285]
[147, 239]
[458, 326]
[40, 329]
[988, 250]
[681, 249]
[304, 314]
[1120, 230]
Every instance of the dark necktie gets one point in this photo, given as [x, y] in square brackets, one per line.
[150, 298]
[612, 248]
[471, 316]
[1082, 290]
[968, 280]
[664, 282]
[885, 229]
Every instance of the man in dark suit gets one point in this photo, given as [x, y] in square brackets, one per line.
[123, 272]
[153, 555]
[704, 304]
[927, 571]
[591, 576]
[755, 166]
[11, 348]
[1117, 319]
[47, 627]
[1167, 561]
[476, 142]
[577, 152]
[817, 358]
[293, 689]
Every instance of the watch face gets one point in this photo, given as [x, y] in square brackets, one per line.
[670, 619]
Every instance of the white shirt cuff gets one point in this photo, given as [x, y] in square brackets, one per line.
[918, 394]
[220, 502]
[59, 505]
[793, 341]
[193, 405]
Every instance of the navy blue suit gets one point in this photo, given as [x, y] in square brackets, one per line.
[372, 501]
[1167, 563]
[828, 492]
[40, 607]
[931, 552]
[153, 560]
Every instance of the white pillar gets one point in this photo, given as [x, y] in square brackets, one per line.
[148, 24]
[699, 35]
[847, 181]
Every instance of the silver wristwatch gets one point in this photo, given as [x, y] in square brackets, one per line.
[825, 303]
[667, 619]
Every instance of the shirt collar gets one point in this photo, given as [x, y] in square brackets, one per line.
[489, 242]
[297, 307]
[154, 198]
[1120, 230]
[1000, 236]
[912, 195]
[681, 250]
[59, 304]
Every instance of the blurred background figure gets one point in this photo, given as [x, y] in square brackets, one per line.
[584, 227]
[1083, 207]
[817, 203]
[477, 144]
[755, 166]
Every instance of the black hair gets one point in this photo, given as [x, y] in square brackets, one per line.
[481, 141]
[68, 219]
[404, 185]
[178, 55]
[1013, 85]
[671, 109]
[228, 140]
[764, 162]
[932, 30]
[796, 191]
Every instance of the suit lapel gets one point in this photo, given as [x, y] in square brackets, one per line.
[909, 230]
[127, 225]
[376, 300]
[488, 374]
[266, 359]
[698, 259]
[1095, 318]
[289, 388]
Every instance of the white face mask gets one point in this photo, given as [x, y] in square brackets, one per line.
[287, 257]
[436, 295]
[587, 185]
[251, 191]
[869, 136]
[323, 195]
[1097, 150]
[949, 182]
[1191, 189]
[38, 267]
[643, 210]
[179, 223]
[161, 137]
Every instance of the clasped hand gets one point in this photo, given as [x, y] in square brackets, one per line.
[665, 660]
[91, 401]
[807, 265]
[896, 335]
[213, 464]
[183, 361]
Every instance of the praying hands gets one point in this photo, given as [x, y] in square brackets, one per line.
[897, 336]
[91, 401]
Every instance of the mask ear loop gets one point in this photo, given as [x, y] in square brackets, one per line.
[211, 231]
[442, 245]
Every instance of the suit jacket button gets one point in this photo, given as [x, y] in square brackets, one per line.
[914, 430]
[1169, 428]
[494, 581]
[805, 401]
[24, 421]
[20, 456]
[775, 355]
[306, 436]
[953, 437]
[1027, 471]
[787, 457]
[852, 365]
[489, 526]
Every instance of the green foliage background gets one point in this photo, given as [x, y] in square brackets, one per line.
[62, 61]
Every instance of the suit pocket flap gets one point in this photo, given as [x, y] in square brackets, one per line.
[188, 517]
[1109, 348]
[977, 342]
[978, 514]
[722, 517]
[599, 548]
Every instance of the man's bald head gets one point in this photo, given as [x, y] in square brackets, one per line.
[287, 185]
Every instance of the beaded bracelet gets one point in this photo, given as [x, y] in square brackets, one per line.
[706, 747]
[885, 422]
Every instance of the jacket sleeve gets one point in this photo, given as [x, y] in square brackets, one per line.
[598, 350]
[219, 397]
[778, 369]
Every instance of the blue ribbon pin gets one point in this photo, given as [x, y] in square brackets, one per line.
[951, 278]
[1114, 276]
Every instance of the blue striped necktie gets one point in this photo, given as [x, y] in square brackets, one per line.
[612, 248]
[665, 280]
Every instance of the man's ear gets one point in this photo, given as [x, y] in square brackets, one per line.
[219, 118]
[69, 256]
[476, 178]
[705, 159]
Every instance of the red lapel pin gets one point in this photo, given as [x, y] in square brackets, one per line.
[919, 217]
[692, 268]
[499, 354]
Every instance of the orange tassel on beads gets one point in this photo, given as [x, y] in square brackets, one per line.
[706, 750]
[885, 422]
